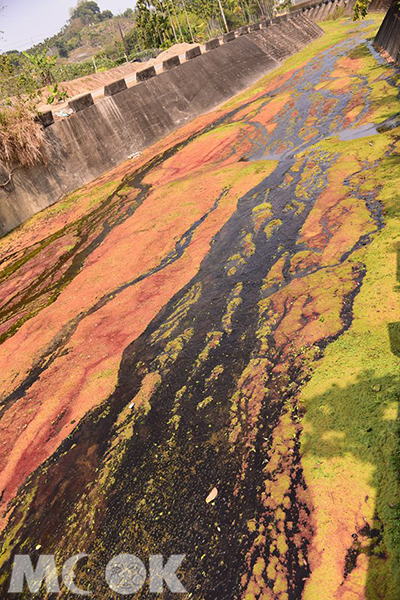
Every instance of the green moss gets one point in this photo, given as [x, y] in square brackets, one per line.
[335, 32]
[204, 402]
[105, 374]
[95, 195]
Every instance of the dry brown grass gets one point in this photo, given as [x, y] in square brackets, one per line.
[21, 137]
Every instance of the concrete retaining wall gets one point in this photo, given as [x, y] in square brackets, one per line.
[285, 37]
[100, 135]
[388, 36]
[320, 11]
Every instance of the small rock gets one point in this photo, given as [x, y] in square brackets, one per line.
[212, 495]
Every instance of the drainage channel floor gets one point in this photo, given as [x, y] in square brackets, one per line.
[200, 351]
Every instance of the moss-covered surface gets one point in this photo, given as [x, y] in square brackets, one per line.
[350, 444]
[219, 315]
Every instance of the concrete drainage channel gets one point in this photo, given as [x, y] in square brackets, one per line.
[101, 133]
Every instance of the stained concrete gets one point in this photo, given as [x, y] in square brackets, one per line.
[388, 36]
[212, 44]
[274, 41]
[146, 74]
[193, 53]
[228, 37]
[171, 63]
[279, 39]
[46, 118]
[115, 87]
[80, 103]
[319, 11]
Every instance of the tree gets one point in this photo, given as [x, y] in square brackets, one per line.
[160, 22]
[221, 8]
[132, 41]
[188, 21]
[229, 13]
[205, 8]
[153, 23]
[87, 11]
[21, 137]
[128, 14]
[62, 48]
[106, 14]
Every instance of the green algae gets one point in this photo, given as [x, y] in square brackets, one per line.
[181, 310]
[95, 197]
[272, 227]
[335, 32]
[353, 394]
[173, 348]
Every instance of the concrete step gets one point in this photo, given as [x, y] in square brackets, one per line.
[301, 33]
[310, 25]
[307, 27]
[293, 35]
[270, 45]
[283, 45]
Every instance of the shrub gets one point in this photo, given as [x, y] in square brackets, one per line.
[21, 137]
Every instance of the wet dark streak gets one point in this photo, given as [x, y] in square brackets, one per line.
[237, 349]
[56, 346]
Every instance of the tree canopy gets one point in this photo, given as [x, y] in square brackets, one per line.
[86, 11]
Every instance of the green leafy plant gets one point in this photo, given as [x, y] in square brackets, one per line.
[42, 65]
[56, 95]
[16, 81]
[360, 9]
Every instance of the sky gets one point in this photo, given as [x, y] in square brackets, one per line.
[28, 22]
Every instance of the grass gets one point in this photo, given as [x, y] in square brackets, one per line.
[351, 428]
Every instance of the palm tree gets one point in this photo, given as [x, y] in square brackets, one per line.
[188, 21]
[170, 20]
[177, 20]
[223, 15]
